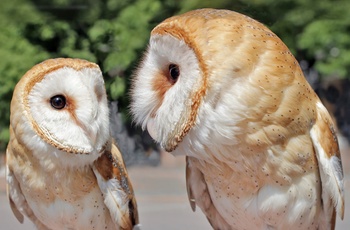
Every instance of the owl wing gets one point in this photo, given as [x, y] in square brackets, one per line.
[116, 188]
[198, 194]
[328, 155]
[12, 187]
[18, 202]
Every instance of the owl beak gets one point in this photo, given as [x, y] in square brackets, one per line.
[89, 132]
[170, 143]
[151, 128]
[93, 138]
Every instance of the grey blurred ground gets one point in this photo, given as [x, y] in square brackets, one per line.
[162, 199]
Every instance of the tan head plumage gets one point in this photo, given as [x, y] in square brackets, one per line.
[223, 89]
[209, 45]
[84, 112]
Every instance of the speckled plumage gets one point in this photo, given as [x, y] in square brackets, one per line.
[262, 151]
[63, 169]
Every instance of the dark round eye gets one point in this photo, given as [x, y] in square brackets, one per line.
[58, 101]
[174, 72]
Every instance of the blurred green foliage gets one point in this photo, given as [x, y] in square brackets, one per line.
[114, 33]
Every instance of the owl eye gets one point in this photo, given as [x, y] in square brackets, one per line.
[174, 72]
[58, 101]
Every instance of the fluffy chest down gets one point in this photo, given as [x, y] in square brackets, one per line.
[264, 168]
[66, 198]
[262, 177]
[86, 212]
[251, 200]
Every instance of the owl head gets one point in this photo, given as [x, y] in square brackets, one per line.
[59, 110]
[197, 58]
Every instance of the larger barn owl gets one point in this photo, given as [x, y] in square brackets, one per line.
[63, 170]
[261, 149]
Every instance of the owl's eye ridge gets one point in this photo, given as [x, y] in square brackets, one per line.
[174, 72]
[58, 101]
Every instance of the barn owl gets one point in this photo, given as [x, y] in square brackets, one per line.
[63, 169]
[261, 149]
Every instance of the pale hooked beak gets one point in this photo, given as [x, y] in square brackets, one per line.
[151, 128]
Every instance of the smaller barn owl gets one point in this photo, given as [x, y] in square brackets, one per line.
[63, 169]
[262, 152]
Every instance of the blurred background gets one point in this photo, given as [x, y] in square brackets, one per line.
[114, 34]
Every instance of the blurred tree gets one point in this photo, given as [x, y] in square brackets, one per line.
[17, 52]
[326, 39]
